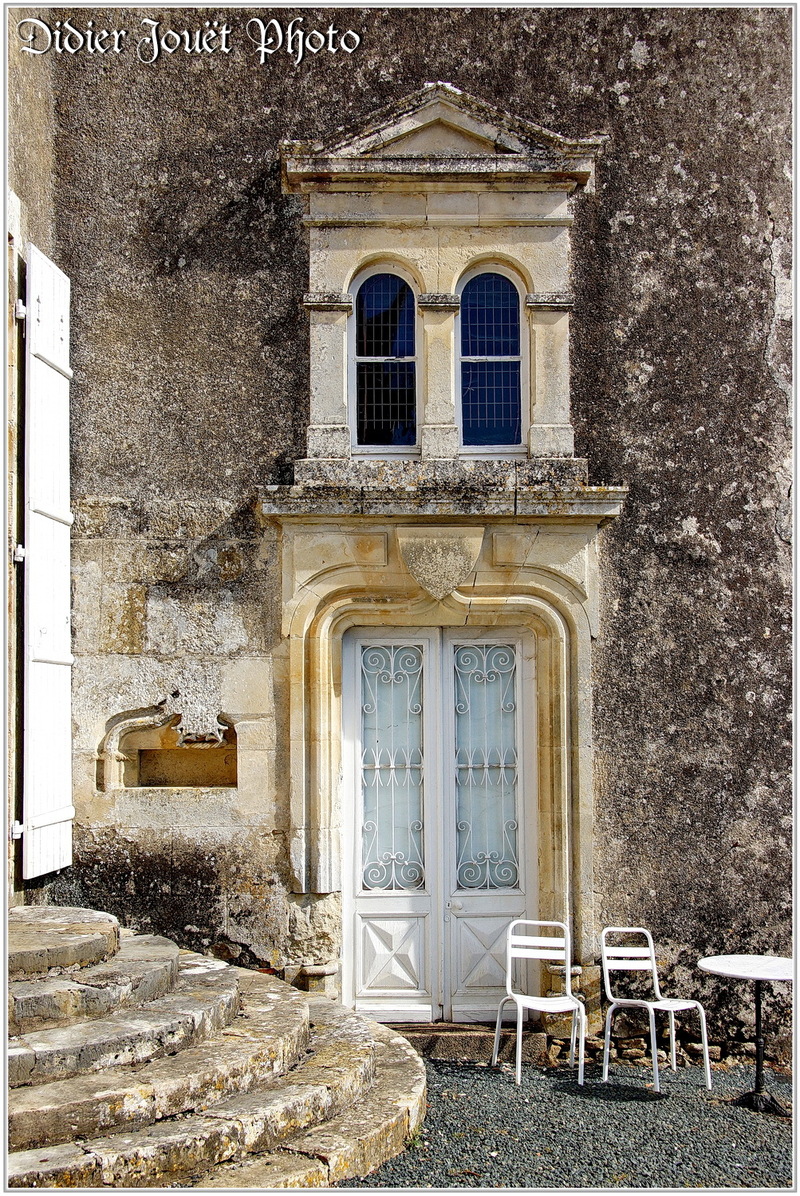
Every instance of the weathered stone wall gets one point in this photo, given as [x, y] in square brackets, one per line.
[32, 140]
[190, 354]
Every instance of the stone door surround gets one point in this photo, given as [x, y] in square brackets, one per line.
[540, 575]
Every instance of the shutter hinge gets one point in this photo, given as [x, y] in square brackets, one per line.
[19, 554]
[20, 310]
[16, 829]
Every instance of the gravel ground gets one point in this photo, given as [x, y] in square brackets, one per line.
[481, 1131]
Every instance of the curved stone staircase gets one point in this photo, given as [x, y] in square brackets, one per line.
[133, 1063]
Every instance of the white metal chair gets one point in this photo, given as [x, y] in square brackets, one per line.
[551, 948]
[624, 957]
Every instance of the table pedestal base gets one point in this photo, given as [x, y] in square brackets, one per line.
[761, 1102]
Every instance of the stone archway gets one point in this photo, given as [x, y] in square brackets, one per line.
[343, 574]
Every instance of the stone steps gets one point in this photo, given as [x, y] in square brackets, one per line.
[145, 967]
[266, 1038]
[42, 938]
[230, 1075]
[472, 1042]
[331, 1111]
[374, 1129]
[205, 998]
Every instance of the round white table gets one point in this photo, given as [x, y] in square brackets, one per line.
[758, 968]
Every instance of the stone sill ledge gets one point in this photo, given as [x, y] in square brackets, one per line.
[443, 477]
[154, 792]
[590, 504]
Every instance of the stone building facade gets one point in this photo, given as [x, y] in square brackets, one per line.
[243, 541]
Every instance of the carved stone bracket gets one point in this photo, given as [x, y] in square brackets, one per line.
[327, 301]
[436, 302]
[550, 301]
[440, 558]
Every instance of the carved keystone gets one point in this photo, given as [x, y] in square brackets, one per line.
[440, 558]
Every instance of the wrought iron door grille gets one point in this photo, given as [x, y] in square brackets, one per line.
[486, 766]
[392, 767]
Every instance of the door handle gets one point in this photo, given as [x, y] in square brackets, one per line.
[455, 905]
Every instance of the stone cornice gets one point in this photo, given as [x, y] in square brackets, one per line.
[303, 173]
[592, 505]
[554, 490]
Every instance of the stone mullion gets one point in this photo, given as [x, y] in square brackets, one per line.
[550, 433]
[439, 435]
[329, 433]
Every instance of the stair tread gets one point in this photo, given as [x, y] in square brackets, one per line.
[147, 1066]
[356, 1138]
[202, 1001]
[144, 968]
[266, 1039]
[332, 1078]
[41, 937]
[354, 1143]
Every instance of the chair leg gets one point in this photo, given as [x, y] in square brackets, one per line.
[607, 1044]
[672, 1056]
[704, 1039]
[519, 1044]
[653, 1049]
[496, 1051]
[572, 1033]
[581, 1043]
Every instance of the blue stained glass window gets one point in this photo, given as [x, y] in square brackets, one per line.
[386, 391]
[491, 408]
[490, 402]
[385, 317]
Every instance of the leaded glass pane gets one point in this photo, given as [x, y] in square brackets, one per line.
[386, 402]
[392, 767]
[490, 398]
[490, 317]
[486, 766]
[385, 317]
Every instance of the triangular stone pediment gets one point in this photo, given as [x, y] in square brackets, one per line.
[438, 139]
[440, 122]
[433, 118]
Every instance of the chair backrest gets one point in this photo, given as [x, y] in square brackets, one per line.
[627, 957]
[522, 942]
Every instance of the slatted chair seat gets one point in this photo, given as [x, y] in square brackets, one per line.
[548, 948]
[626, 957]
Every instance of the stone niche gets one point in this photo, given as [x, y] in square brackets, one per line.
[150, 750]
[156, 758]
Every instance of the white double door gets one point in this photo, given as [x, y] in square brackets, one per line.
[439, 835]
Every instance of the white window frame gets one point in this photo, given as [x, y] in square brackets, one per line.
[493, 451]
[381, 450]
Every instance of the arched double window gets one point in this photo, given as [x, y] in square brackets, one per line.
[490, 361]
[385, 362]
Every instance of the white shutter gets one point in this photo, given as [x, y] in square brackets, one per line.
[47, 728]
